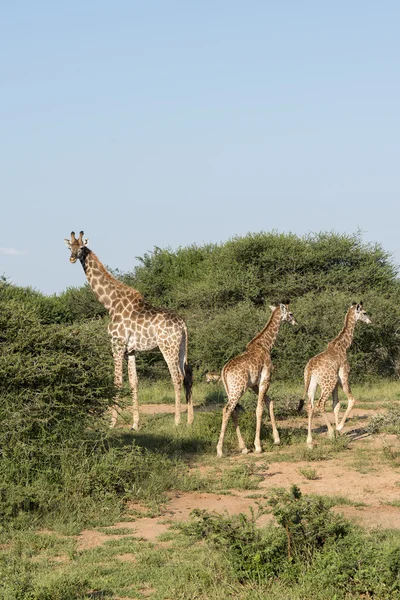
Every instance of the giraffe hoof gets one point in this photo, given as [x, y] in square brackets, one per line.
[245, 451]
[258, 450]
[135, 427]
[339, 428]
[277, 442]
[219, 453]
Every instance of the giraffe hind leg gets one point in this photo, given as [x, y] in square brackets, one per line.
[270, 407]
[172, 359]
[235, 419]
[326, 391]
[336, 404]
[344, 378]
[312, 389]
[229, 408]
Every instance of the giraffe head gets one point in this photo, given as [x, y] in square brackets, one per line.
[360, 313]
[76, 245]
[286, 313]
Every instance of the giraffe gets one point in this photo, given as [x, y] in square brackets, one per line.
[212, 377]
[253, 369]
[136, 325]
[329, 369]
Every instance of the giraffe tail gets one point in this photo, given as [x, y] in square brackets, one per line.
[306, 386]
[184, 366]
[188, 382]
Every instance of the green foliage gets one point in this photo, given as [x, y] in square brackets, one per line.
[313, 549]
[224, 292]
[308, 522]
[50, 374]
[56, 383]
[387, 422]
[252, 555]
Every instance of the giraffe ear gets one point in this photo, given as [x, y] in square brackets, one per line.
[85, 241]
[272, 307]
[67, 243]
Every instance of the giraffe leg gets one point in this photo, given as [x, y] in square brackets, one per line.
[336, 403]
[270, 406]
[177, 381]
[322, 401]
[226, 413]
[263, 388]
[118, 351]
[235, 418]
[172, 360]
[188, 383]
[344, 378]
[133, 382]
[312, 388]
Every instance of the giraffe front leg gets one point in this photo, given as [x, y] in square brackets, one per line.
[118, 350]
[270, 406]
[133, 382]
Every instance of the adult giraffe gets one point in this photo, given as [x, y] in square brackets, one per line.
[135, 326]
[329, 369]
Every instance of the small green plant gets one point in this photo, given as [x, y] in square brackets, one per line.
[308, 473]
[391, 453]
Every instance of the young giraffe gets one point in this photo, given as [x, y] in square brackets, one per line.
[135, 326]
[212, 377]
[253, 369]
[329, 369]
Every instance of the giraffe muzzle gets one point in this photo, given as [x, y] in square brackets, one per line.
[72, 259]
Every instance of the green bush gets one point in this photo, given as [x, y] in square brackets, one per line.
[312, 549]
[224, 291]
[388, 422]
[56, 382]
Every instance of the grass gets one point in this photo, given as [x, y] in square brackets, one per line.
[45, 566]
[143, 466]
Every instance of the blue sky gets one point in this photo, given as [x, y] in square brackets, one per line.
[170, 123]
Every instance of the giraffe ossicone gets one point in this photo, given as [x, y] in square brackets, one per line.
[329, 369]
[136, 326]
[253, 369]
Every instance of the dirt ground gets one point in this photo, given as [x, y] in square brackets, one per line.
[375, 492]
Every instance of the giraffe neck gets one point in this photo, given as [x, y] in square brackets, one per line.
[106, 288]
[343, 341]
[266, 338]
